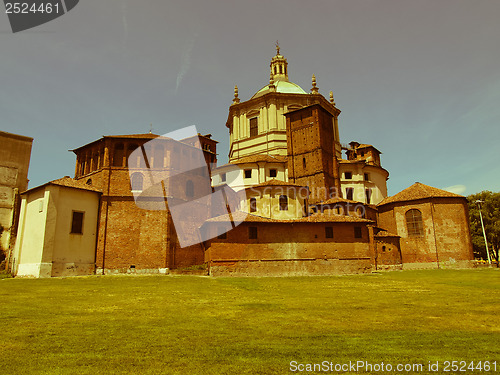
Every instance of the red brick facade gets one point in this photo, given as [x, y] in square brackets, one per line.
[311, 152]
[143, 237]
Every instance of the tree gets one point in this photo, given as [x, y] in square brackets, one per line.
[490, 210]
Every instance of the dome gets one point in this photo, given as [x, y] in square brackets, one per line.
[284, 87]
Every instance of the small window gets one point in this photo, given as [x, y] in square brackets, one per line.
[223, 177]
[328, 232]
[357, 232]
[77, 223]
[348, 175]
[414, 223]
[367, 177]
[349, 193]
[252, 233]
[254, 127]
[304, 163]
[283, 203]
[368, 193]
[248, 173]
[272, 173]
[253, 204]
[189, 189]
[89, 181]
[383, 249]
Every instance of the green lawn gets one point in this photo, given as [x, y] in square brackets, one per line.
[201, 325]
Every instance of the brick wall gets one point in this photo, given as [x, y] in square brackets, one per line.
[290, 249]
[445, 236]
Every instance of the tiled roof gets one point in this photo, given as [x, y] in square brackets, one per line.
[257, 158]
[146, 135]
[335, 200]
[351, 161]
[419, 191]
[274, 182]
[384, 233]
[68, 182]
[316, 218]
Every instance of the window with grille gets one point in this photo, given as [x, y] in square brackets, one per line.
[329, 232]
[254, 128]
[272, 173]
[414, 223]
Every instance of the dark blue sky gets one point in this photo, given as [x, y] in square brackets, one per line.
[420, 80]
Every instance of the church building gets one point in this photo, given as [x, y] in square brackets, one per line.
[286, 203]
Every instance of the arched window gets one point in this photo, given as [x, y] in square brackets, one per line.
[136, 181]
[189, 189]
[414, 223]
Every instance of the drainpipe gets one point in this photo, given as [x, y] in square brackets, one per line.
[434, 230]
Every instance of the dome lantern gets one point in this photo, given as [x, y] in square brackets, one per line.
[279, 66]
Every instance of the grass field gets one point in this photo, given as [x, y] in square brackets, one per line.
[201, 325]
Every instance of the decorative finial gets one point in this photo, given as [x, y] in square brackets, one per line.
[236, 100]
[331, 98]
[151, 128]
[277, 48]
[314, 89]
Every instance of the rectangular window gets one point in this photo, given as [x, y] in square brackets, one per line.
[253, 204]
[248, 173]
[367, 177]
[283, 203]
[349, 193]
[254, 128]
[348, 175]
[77, 223]
[272, 173]
[368, 193]
[328, 232]
[223, 177]
[357, 232]
[252, 233]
